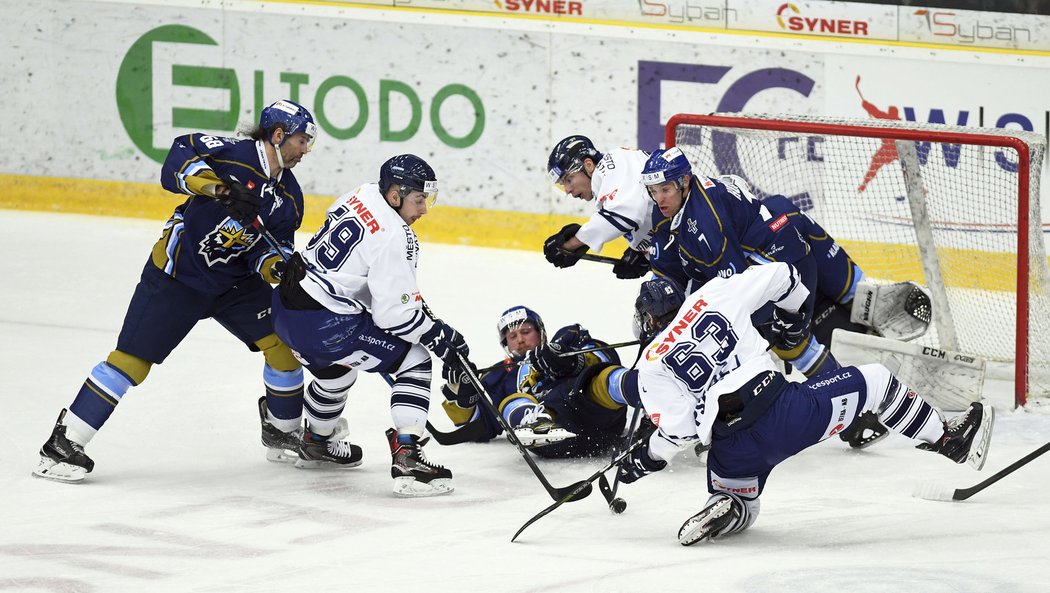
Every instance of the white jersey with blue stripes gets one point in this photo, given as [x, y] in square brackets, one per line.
[364, 258]
[624, 206]
[711, 348]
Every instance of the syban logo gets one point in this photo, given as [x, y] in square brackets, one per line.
[137, 101]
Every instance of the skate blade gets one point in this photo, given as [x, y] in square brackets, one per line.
[531, 439]
[698, 527]
[49, 469]
[406, 487]
[325, 465]
[979, 453]
[281, 456]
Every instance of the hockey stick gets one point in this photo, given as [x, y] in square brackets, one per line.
[569, 493]
[618, 505]
[600, 258]
[580, 486]
[942, 493]
[469, 432]
[507, 365]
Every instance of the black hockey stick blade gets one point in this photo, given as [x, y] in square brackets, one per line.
[469, 432]
[575, 492]
[935, 492]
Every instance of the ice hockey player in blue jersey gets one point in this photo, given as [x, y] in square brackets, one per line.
[706, 377]
[211, 262]
[349, 302]
[714, 227]
[553, 403]
[610, 180]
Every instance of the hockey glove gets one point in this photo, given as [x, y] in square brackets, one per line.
[241, 204]
[465, 395]
[445, 343]
[633, 264]
[789, 329]
[549, 360]
[554, 247]
[639, 464]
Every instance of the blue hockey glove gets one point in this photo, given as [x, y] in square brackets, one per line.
[445, 342]
[548, 359]
[789, 329]
[554, 247]
[633, 264]
[241, 203]
[639, 464]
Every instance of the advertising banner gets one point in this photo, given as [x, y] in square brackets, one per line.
[826, 19]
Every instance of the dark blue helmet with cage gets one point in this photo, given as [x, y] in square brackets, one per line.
[657, 304]
[665, 166]
[515, 316]
[409, 173]
[290, 117]
[568, 155]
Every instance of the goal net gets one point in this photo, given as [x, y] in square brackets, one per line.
[954, 209]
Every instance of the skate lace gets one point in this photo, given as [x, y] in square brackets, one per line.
[340, 448]
[417, 453]
[534, 414]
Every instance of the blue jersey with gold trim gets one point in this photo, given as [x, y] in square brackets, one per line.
[201, 245]
[722, 229]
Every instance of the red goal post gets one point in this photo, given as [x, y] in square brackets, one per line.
[955, 209]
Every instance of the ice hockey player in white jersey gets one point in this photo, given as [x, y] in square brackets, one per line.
[613, 181]
[706, 376]
[350, 302]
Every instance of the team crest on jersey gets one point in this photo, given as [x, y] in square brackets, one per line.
[227, 241]
[690, 224]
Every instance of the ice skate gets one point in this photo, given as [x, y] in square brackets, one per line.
[966, 437]
[281, 447]
[865, 431]
[709, 523]
[538, 429]
[327, 452]
[413, 475]
[61, 459]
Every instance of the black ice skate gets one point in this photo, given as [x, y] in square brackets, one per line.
[413, 474]
[865, 431]
[966, 437]
[281, 447]
[538, 428]
[61, 459]
[711, 522]
[316, 451]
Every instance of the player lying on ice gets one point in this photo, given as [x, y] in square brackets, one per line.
[716, 227]
[552, 401]
[706, 376]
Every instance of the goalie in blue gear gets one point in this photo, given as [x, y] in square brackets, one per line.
[211, 262]
[546, 397]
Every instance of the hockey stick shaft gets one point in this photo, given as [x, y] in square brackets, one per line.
[964, 493]
[580, 486]
[269, 238]
[506, 365]
[609, 492]
[599, 258]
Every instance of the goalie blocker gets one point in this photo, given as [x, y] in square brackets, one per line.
[949, 380]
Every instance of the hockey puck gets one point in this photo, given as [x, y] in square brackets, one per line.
[618, 505]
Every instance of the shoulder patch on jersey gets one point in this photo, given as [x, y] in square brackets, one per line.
[609, 196]
[779, 223]
[707, 183]
[227, 241]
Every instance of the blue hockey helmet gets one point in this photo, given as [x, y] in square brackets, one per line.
[665, 166]
[409, 173]
[515, 316]
[657, 304]
[567, 157]
[290, 117]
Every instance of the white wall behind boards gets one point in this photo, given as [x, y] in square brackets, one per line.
[101, 88]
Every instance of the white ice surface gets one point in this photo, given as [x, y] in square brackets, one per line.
[182, 498]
